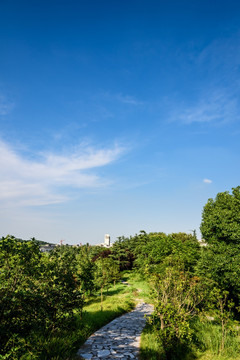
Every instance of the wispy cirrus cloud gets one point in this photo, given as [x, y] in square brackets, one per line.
[217, 107]
[5, 105]
[215, 94]
[121, 98]
[222, 58]
[47, 180]
[126, 99]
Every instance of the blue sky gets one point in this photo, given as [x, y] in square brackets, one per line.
[116, 116]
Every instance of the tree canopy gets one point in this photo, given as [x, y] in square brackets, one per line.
[221, 218]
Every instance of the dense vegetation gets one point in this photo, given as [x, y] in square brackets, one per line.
[46, 299]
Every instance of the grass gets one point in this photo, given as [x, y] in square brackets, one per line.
[138, 285]
[63, 345]
[122, 298]
[116, 301]
[204, 346]
[208, 336]
[150, 348]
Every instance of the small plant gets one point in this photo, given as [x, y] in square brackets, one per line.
[222, 308]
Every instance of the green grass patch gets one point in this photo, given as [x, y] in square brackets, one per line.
[150, 348]
[116, 301]
[205, 344]
[138, 286]
[208, 337]
[63, 345]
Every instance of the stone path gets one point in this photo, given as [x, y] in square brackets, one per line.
[120, 339]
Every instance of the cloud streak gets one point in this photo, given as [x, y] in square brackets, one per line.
[217, 107]
[207, 181]
[48, 180]
[121, 98]
[5, 105]
[215, 95]
[126, 99]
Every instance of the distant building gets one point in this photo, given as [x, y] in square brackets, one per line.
[47, 248]
[106, 242]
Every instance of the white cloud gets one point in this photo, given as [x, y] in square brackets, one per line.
[39, 182]
[207, 181]
[214, 107]
[122, 98]
[126, 99]
[222, 58]
[215, 97]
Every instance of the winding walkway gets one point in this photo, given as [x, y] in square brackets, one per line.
[120, 339]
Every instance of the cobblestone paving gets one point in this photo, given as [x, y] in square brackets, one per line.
[120, 339]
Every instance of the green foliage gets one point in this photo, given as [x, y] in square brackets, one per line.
[177, 301]
[148, 251]
[118, 300]
[43, 296]
[39, 293]
[221, 218]
[183, 277]
[221, 230]
[85, 270]
[60, 289]
[205, 344]
[19, 295]
[106, 272]
[151, 347]
[123, 253]
[220, 263]
[222, 307]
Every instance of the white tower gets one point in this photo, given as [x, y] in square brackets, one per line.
[107, 240]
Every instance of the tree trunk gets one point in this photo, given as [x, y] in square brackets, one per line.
[101, 298]
[162, 322]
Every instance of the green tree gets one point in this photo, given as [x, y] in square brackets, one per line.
[222, 312]
[85, 270]
[221, 218]
[161, 248]
[107, 272]
[38, 294]
[60, 287]
[220, 228]
[219, 262]
[20, 299]
[177, 297]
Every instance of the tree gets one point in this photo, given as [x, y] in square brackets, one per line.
[101, 276]
[220, 228]
[107, 272]
[39, 293]
[221, 218]
[85, 270]
[222, 312]
[220, 263]
[177, 298]
[161, 247]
